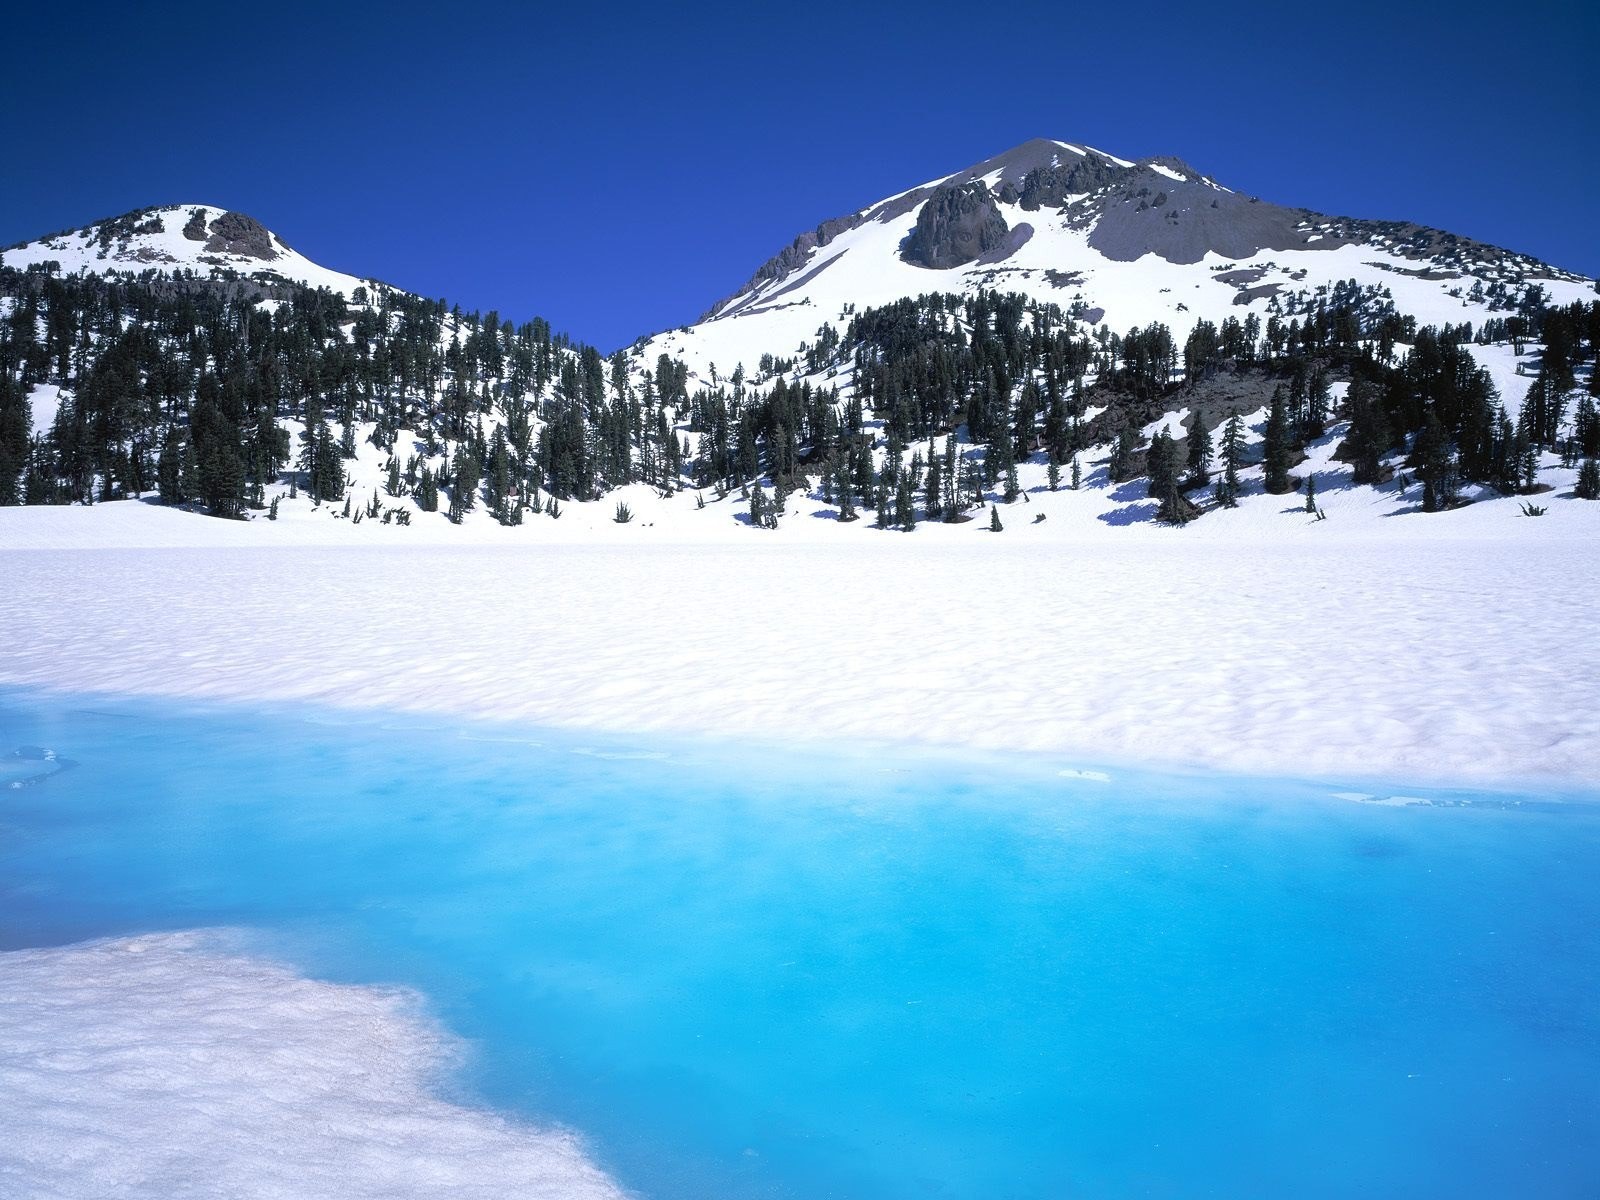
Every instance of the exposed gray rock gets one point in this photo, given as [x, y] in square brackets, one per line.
[1049, 187]
[1013, 241]
[1183, 221]
[960, 223]
[235, 233]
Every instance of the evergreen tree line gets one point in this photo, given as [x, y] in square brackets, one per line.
[207, 394]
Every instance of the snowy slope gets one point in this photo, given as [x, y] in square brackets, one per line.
[1194, 250]
[205, 239]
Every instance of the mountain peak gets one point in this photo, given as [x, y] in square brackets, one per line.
[206, 239]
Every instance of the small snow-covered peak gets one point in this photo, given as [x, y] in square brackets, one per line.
[207, 240]
[1013, 166]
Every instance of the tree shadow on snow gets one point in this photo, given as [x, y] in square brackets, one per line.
[1132, 514]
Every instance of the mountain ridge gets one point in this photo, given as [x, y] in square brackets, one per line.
[207, 239]
[1011, 169]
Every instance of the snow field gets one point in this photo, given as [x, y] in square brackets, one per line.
[168, 1065]
[1446, 649]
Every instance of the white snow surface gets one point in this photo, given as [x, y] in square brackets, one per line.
[1400, 648]
[171, 1065]
[863, 268]
[168, 250]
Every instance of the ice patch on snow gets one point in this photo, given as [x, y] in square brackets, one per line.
[169, 1066]
[30, 765]
[1384, 801]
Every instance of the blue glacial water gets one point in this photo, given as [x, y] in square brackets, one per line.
[751, 971]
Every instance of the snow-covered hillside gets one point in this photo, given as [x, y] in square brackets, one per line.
[379, 407]
[1132, 243]
[209, 241]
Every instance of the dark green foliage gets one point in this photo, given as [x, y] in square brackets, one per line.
[1275, 447]
[190, 388]
[1369, 438]
[1198, 452]
[16, 420]
[1166, 469]
[994, 520]
[1436, 467]
[763, 514]
[1124, 455]
[465, 474]
[427, 491]
[1588, 486]
[1232, 459]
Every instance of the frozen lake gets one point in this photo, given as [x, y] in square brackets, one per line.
[743, 970]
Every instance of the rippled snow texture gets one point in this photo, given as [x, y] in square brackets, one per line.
[169, 1066]
[1400, 655]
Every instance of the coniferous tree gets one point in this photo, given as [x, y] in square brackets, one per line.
[1198, 448]
[994, 519]
[905, 509]
[16, 420]
[1586, 425]
[1232, 460]
[1165, 473]
[427, 491]
[464, 477]
[1318, 392]
[1126, 447]
[1588, 487]
[1369, 438]
[1275, 447]
[1436, 466]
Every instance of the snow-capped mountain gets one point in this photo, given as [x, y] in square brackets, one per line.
[1110, 240]
[209, 241]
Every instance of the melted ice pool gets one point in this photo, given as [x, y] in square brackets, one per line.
[749, 971]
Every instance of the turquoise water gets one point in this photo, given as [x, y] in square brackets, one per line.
[750, 971]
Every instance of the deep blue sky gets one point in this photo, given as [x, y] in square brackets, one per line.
[617, 168]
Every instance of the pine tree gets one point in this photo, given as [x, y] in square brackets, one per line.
[1275, 447]
[1311, 494]
[933, 489]
[427, 491]
[464, 482]
[1198, 448]
[16, 420]
[1435, 466]
[1369, 438]
[905, 509]
[994, 519]
[1077, 473]
[1122, 454]
[1588, 487]
[1316, 423]
[1232, 459]
[1164, 481]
